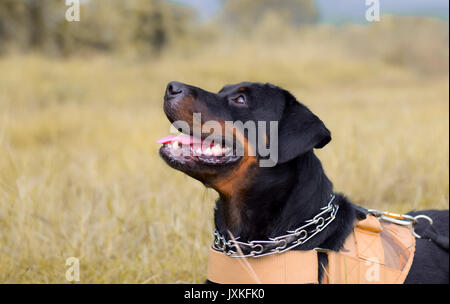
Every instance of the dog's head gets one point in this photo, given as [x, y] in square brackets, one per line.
[227, 134]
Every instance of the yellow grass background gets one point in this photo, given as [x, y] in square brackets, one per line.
[80, 175]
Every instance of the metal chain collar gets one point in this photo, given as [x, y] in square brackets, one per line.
[279, 244]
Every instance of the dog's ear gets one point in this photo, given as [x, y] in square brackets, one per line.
[299, 131]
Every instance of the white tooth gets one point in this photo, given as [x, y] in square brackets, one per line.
[208, 152]
[175, 145]
[227, 151]
[217, 150]
[199, 151]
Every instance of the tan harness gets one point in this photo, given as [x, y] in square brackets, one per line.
[376, 252]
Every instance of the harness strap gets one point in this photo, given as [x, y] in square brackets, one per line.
[375, 252]
[290, 267]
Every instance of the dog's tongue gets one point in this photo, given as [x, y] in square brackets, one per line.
[182, 139]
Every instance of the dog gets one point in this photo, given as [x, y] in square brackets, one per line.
[260, 202]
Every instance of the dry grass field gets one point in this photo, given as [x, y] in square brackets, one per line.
[80, 175]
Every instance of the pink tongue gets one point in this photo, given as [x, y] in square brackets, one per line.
[183, 139]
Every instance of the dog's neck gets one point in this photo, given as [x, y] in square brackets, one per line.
[279, 199]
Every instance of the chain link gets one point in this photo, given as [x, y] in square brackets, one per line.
[282, 243]
[300, 235]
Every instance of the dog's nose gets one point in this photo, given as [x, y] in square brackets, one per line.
[174, 89]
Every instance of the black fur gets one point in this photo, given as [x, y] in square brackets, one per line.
[281, 198]
[430, 264]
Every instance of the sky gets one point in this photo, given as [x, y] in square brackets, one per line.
[338, 11]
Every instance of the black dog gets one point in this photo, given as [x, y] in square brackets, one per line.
[255, 202]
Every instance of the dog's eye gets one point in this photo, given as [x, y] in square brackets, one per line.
[239, 100]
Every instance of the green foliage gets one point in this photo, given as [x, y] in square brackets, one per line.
[145, 26]
[141, 27]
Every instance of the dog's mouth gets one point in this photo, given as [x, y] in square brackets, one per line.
[184, 149]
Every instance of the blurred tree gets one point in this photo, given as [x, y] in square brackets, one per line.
[12, 22]
[36, 14]
[144, 26]
[247, 14]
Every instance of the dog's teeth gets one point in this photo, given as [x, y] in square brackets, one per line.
[199, 151]
[208, 152]
[227, 151]
[217, 150]
[176, 145]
